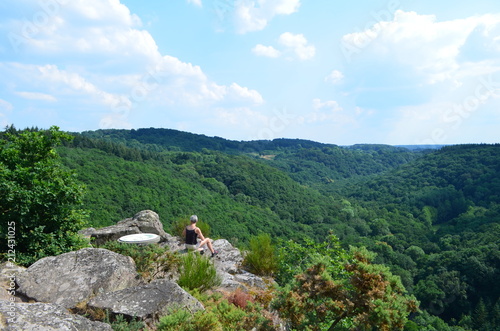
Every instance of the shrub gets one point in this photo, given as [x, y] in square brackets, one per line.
[261, 259]
[219, 314]
[182, 320]
[240, 299]
[152, 261]
[197, 272]
[120, 323]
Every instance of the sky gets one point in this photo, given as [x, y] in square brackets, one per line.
[398, 72]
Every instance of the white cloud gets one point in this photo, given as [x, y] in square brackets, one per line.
[268, 51]
[195, 2]
[74, 82]
[334, 77]
[245, 93]
[298, 44]
[459, 116]
[37, 96]
[97, 54]
[243, 117]
[331, 105]
[185, 83]
[255, 15]
[324, 111]
[432, 49]
[5, 106]
[421, 68]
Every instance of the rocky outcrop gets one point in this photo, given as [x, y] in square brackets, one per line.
[15, 316]
[73, 277]
[147, 302]
[228, 263]
[101, 279]
[8, 275]
[145, 221]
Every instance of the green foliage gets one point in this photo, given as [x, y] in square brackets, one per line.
[178, 225]
[261, 259]
[294, 257]
[197, 272]
[426, 214]
[219, 314]
[364, 296]
[152, 261]
[39, 199]
[120, 323]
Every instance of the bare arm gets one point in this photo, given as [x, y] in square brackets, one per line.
[200, 235]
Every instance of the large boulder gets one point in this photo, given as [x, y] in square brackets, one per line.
[74, 277]
[228, 264]
[146, 221]
[147, 302]
[15, 316]
[8, 275]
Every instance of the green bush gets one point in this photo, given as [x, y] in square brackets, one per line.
[152, 261]
[176, 320]
[261, 259]
[120, 323]
[197, 272]
[219, 315]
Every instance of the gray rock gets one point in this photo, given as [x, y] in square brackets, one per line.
[73, 277]
[8, 274]
[15, 316]
[228, 264]
[145, 221]
[147, 302]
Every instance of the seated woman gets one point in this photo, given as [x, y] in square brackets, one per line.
[192, 233]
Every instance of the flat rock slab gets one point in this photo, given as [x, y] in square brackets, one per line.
[74, 277]
[15, 316]
[147, 302]
[146, 221]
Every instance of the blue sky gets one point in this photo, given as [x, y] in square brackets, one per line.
[390, 72]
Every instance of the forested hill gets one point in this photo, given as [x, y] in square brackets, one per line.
[190, 142]
[306, 161]
[432, 216]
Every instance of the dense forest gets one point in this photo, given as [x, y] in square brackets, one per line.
[432, 215]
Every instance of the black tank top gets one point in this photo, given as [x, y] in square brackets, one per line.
[191, 236]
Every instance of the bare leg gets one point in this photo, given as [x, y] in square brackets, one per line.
[207, 242]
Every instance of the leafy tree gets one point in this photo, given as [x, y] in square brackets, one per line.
[295, 257]
[361, 295]
[480, 317]
[39, 198]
